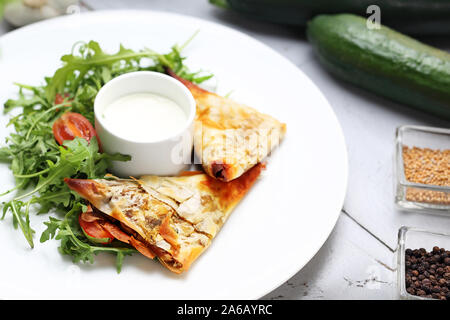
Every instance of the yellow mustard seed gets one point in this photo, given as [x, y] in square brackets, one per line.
[427, 166]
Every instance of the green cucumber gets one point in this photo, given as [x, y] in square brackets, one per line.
[383, 61]
[412, 16]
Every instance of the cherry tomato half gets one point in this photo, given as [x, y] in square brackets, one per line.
[71, 125]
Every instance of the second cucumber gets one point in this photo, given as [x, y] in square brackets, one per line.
[383, 61]
[411, 16]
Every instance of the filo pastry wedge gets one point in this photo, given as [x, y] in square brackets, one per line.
[174, 217]
[229, 137]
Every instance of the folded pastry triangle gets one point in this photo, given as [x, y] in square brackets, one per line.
[175, 218]
[229, 137]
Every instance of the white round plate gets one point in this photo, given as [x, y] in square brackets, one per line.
[277, 228]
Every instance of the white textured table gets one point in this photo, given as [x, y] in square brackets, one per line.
[357, 261]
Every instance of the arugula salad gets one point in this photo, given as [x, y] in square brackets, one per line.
[54, 139]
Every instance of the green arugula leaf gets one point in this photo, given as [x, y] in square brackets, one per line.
[52, 226]
[94, 66]
[21, 218]
[75, 244]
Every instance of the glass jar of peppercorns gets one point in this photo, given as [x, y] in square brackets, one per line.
[423, 264]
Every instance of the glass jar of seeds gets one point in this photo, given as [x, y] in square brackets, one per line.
[422, 162]
[423, 264]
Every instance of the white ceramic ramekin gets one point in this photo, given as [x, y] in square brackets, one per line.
[168, 156]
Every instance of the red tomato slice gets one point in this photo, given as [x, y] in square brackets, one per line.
[95, 232]
[71, 125]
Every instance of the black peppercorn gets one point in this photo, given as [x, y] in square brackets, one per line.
[421, 293]
[427, 274]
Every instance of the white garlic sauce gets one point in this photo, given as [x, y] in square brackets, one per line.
[144, 117]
